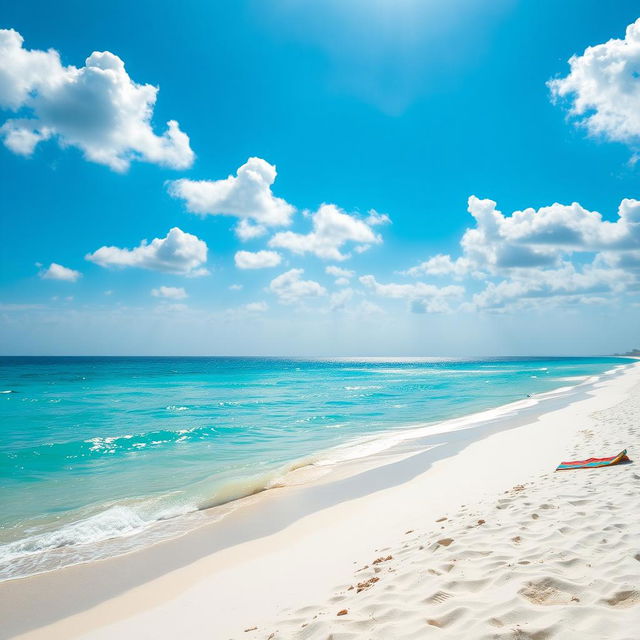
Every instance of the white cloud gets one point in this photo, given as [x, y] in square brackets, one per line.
[339, 272]
[235, 287]
[603, 87]
[595, 300]
[565, 281]
[342, 276]
[179, 252]
[332, 228]
[527, 256]
[256, 307]
[97, 108]
[534, 238]
[173, 293]
[257, 260]
[422, 296]
[441, 265]
[247, 196]
[289, 288]
[58, 272]
[413, 290]
[628, 260]
[374, 218]
[245, 230]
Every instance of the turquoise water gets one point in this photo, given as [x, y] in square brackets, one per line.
[101, 448]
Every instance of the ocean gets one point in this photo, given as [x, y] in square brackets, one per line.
[99, 455]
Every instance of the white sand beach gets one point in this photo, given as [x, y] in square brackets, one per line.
[487, 542]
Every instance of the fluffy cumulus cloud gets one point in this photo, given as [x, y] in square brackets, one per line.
[246, 196]
[257, 259]
[441, 265]
[422, 297]
[179, 252]
[246, 230]
[290, 288]
[534, 238]
[56, 271]
[603, 87]
[332, 228]
[172, 293]
[558, 251]
[97, 108]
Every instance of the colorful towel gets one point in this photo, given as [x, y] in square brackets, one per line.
[594, 462]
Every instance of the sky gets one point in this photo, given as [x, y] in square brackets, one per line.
[345, 177]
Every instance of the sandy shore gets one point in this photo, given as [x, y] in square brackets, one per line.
[475, 538]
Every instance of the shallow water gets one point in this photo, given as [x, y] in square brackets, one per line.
[95, 449]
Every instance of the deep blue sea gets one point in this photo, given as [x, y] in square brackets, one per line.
[101, 448]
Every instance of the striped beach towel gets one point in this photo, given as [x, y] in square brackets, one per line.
[594, 462]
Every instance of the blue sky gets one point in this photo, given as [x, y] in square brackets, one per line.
[392, 114]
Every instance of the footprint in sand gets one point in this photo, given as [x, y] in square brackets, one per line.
[623, 599]
[445, 542]
[547, 592]
[382, 559]
[438, 597]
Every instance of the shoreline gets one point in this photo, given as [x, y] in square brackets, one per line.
[299, 515]
[355, 454]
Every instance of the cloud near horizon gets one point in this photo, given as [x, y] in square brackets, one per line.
[179, 252]
[342, 276]
[565, 282]
[256, 307]
[528, 254]
[290, 288]
[421, 296]
[97, 108]
[172, 293]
